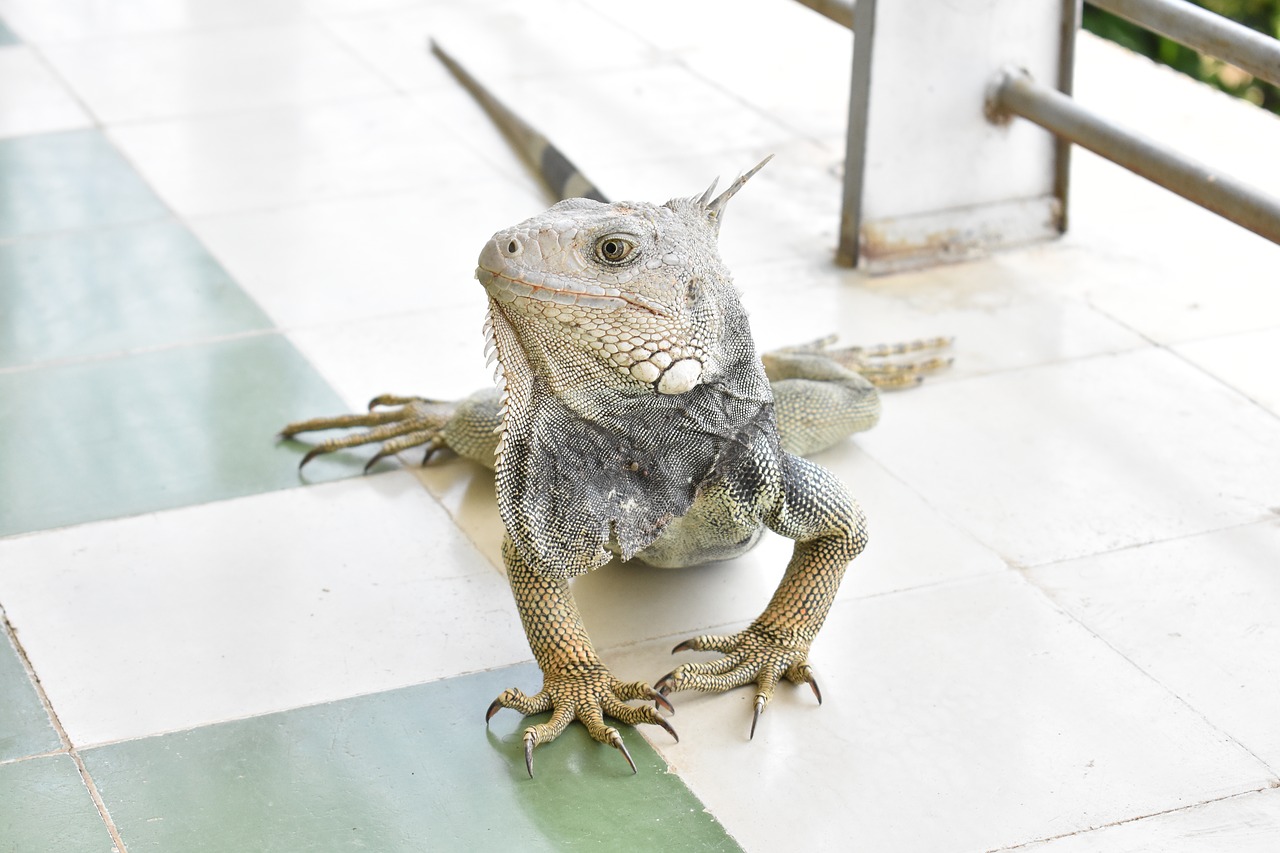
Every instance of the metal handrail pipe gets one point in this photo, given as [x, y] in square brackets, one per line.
[1204, 31]
[1015, 93]
[840, 11]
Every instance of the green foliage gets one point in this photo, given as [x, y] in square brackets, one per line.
[1261, 15]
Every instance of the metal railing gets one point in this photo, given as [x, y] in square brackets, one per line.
[1015, 92]
[1202, 30]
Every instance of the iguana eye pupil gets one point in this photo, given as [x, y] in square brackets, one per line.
[614, 250]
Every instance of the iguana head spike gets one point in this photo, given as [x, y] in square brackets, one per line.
[715, 208]
[706, 196]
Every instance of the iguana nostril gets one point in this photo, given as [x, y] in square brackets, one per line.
[513, 247]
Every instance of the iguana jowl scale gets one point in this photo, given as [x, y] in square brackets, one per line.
[637, 419]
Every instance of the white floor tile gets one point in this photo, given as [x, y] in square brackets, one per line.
[466, 491]
[1005, 312]
[1249, 823]
[519, 39]
[1246, 362]
[1201, 615]
[1172, 271]
[183, 618]
[684, 116]
[46, 21]
[1067, 460]
[292, 155]
[346, 260]
[438, 354]
[966, 717]
[211, 72]
[801, 77]
[32, 98]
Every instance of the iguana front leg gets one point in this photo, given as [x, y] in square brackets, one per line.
[468, 427]
[576, 684]
[823, 394]
[830, 530]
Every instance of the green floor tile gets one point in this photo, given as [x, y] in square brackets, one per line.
[122, 436]
[7, 36]
[24, 726]
[65, 181]
[90, 293]
[407, 770]
[45, 808]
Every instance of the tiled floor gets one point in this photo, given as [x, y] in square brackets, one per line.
[220, 215]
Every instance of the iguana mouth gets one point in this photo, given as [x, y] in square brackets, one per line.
[547, 288]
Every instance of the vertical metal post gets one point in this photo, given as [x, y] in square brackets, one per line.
[928, 177]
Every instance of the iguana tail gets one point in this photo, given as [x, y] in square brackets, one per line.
[560, 176]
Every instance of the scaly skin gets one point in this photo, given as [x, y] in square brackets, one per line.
[637, 420]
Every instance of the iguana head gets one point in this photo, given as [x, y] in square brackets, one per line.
[629, 295]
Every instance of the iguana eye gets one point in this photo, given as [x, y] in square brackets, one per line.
[614, 249]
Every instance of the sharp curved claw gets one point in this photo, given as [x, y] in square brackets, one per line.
[528, 753]
[665, 683]
[377, 457]
[755, 717]
[493, 709]
[813, 685]
[686, 646]
[667, 726]
[622, 747]
[311, 454]
[661, 701]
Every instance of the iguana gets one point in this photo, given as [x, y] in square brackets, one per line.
[636, 419]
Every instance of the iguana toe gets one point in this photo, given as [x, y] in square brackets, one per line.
[751, 656]
[395, 423]
[881, 364]
[587, 696]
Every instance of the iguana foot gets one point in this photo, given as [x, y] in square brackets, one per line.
[750, 656]
[398, 423]
[587, 695]
[879, 364]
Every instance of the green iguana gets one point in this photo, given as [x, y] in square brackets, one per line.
[637, 420]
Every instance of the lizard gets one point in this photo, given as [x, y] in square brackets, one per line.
[633, 418]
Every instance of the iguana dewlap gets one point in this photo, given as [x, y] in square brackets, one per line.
[636, 419]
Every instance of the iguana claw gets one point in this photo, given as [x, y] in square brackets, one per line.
[660, 700]
[311, 454]
[664, 684]
[661, 722]
[813, 685]
[755, 716]
[528, 752]
[622, 747]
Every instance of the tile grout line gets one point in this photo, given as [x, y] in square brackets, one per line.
[63, 737]
[1023, 845]
[56, 363]
[1025, 575]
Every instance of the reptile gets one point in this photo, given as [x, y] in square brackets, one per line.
[634, 419]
